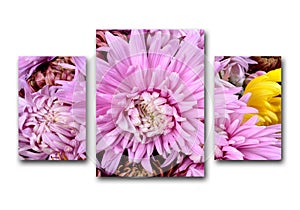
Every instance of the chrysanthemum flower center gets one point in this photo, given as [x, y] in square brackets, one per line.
[51, 115]
[150, 114]
[45, 115]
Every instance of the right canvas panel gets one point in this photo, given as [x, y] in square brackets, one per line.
[248, 107]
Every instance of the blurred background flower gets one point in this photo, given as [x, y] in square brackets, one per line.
[126, 168]
[60, 68]
[265, 63]
[234, 68]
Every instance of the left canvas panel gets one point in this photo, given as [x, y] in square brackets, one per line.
[52, 107]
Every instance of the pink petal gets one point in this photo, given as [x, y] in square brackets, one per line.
[146, 164]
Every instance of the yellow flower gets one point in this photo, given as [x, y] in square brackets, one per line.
[266, 97]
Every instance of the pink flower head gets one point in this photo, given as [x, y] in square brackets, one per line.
[150, 98]
[240, 140]
[52, 120]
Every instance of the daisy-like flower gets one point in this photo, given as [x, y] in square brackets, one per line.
[150, 99]
[233, 68]
[266, 97]
[52, 119]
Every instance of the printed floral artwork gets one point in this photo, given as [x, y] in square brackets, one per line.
[150, 103]
[52, 108]
[248, 108]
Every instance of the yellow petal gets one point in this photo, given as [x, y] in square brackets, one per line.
[275, 75]
[266, 97]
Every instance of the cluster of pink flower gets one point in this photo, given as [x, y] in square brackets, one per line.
[150, 102]
[247, 108]
[52, 108]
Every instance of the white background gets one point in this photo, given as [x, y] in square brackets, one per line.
[68, 28]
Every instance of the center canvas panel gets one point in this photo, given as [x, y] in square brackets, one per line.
[150, 103]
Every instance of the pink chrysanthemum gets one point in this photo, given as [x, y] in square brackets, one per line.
[47, 127]
[239, 140]
[150, 98]
[52, 120]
